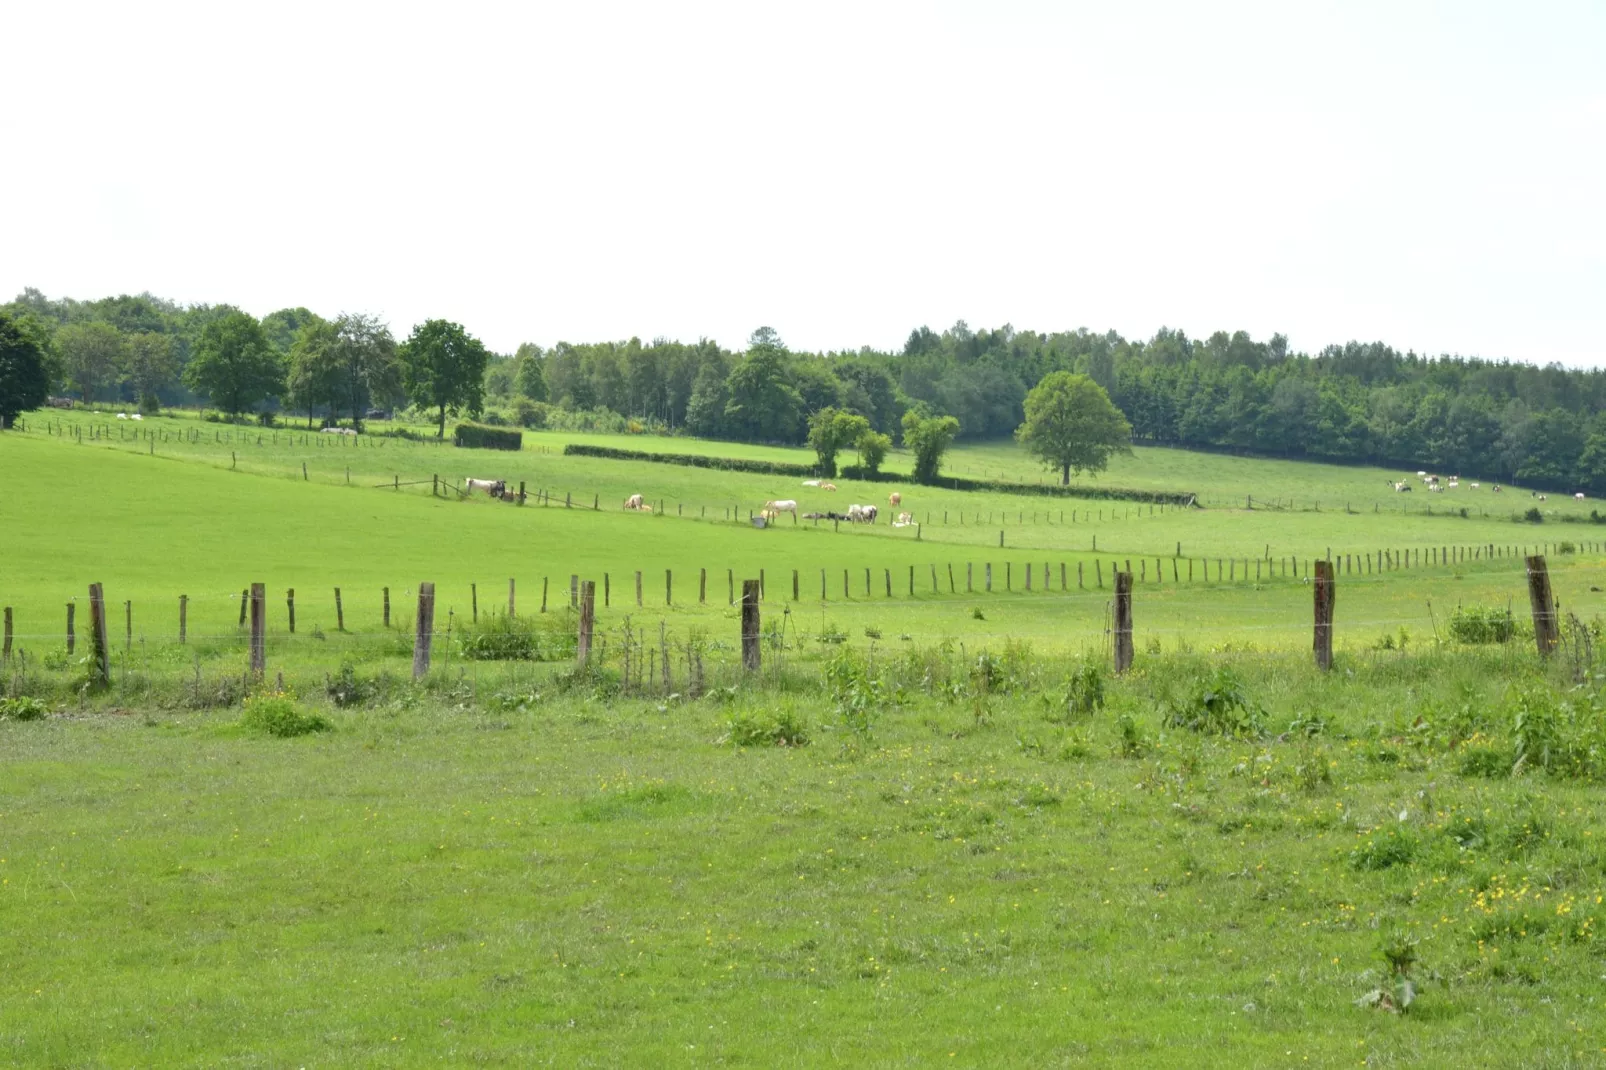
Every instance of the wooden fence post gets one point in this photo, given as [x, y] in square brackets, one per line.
[750, 626]
[340, 612]
[669, 587]
[794, 585]
[730, 586]
[473, 600]
[512, 602]
[100, 653]
[128, 625]
[607, 593]
[702, 586]
[183, 617]
[290, 601]
[1123, 621]
[1544, 608]
[424, 630]
[574, 591]
[259, 629]
[72, 637]
[588, 616]
[1325, 591]
[386, 596]
[245, 600]
[638, 588]
[5, 647]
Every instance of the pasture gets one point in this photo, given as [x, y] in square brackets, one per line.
[911, 838]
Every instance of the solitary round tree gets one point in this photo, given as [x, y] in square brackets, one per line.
[1072, 425]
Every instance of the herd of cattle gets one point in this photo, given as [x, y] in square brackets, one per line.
[856, 514]
[1432, 482]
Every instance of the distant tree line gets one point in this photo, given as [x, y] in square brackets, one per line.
[1350, 403]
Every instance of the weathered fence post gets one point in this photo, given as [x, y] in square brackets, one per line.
[750, 652]
[424, 631]
[588, 616]
[702, 586]
[638, 588]
[259, 629]
[795, 582]
[574, 591]
[669, 587]
[340, 612]
[72, 637]
[607, 593]
[5, 648]
[128, 626]
[183, 617]
[512, 602]
[473, 600]
[387, 606]
[1544, 608]
[1325, 591]
[730, 586]
[290, 601]
[245, 600]
[1123, 621]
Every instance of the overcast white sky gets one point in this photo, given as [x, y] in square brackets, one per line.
[1432, 175]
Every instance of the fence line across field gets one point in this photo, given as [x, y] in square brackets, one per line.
[1544, 609]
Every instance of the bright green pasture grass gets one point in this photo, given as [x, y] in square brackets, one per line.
[154, 527]
[524, 879]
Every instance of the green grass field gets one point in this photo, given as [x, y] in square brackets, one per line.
[513, 865]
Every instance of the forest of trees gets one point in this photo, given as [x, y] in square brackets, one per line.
[1357, 402]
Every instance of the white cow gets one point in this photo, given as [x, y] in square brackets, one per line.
[122, 416]
[785, 505]
[136, 416]
[1579, 496]
[633, 502]
[904, 520]
[862, 514]
[493, 487]
[811, 482]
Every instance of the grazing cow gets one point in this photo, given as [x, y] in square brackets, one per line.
[904, 520]
[1402, 487]
[122, 416]
[1495, 489]
[895, 499]
[1421, 475]
[1579, 496]
[862, 514]
[1434, 488]
[811, 482]
[828, 486]
[493, 487]
[136, 416]
[785, 505]
[1542, 497]
[1474, 486]
[633, 502]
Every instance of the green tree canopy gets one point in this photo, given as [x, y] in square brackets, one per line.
[24, 371]
[1072, 425]
[151, 364]
[830, 432]
[313, 378]
[761, 402]
[365, 362]
[530, 379]
[872, 447]
[91, 356]
[233, 363]
[443, 368]
[929, 437]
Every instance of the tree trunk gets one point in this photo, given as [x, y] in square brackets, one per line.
[441, 433]
[1065, 475]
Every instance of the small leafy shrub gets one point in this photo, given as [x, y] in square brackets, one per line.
[1534, 516]
[1477, 625]
[785, 729]
[277, 715]
[1490, 763]
[1398, 992]
[857, 695]
[1383, 850]
[499, 637]
[1084, 691]
[1218, 705]
[1566, 548]
[22, 708]
[987, 674]
[589, 678]
[480, 436]
[346, 689]
[832, 634]
[977, 614]
[1130, 740]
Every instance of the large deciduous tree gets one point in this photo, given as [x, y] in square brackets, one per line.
[830, 432]
[929, 437]
[91, 356]
[364, 359]
[1072, 425]
[151, 363]
[312, 378]
[761, 402]
[233, 363]
[24, 371]
[443, 368]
